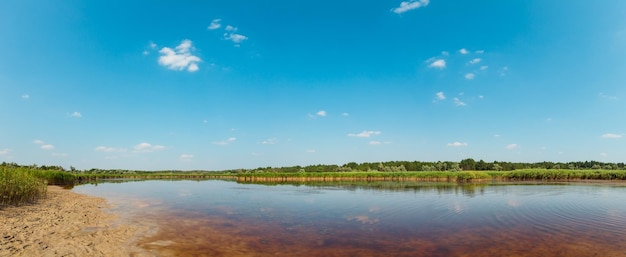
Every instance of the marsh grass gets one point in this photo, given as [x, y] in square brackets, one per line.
[20, 185]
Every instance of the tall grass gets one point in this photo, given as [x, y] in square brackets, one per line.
[19, 185]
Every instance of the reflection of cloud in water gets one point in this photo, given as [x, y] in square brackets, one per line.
[457, 208]
[225, 209]
[143, 203]
[513, 203]
[363, 219]
[374, 209]
[184, 193]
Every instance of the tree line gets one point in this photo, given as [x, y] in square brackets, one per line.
[389, 166]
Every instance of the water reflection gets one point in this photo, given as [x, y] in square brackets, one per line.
[225, 218]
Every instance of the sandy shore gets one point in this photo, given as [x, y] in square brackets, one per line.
[65, 224]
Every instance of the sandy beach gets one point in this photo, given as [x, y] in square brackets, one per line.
[65, 224]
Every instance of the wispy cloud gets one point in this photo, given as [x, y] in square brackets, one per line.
[458, 102]
[438, 64]
[179, 58]
[612, 136]
[503, 71]
[410, 5]
[445, 53]
[310, 151]
[25, 96]
[215, 24]
[605, 96]
[379, 143]
[321, 113]
[365, 134]
[469, 76]
[457, 144]
[440, 96]
[5, 151]
[76, 115]
[345, 114]
[147, 148]
[512, 146]
[484, 67]
[475, 61]
[43, 144]
[480, 51]
[47, 147]
[186, 157]
[269, 141]
[109, 149]
[226, 142]
[463, 51]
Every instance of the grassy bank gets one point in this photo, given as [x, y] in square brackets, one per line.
[20, 185]
[437, 176]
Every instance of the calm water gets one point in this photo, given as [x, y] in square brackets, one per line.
[224, 218]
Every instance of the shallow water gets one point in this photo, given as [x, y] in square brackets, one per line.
[224, 218]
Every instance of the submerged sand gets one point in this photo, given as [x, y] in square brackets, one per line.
[66, 224]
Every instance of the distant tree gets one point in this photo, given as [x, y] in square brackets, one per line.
[468, 164]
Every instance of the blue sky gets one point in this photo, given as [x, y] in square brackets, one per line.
[156, 85]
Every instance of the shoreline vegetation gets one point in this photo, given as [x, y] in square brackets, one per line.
[27, 184]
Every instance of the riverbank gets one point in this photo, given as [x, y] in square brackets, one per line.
[65, 224]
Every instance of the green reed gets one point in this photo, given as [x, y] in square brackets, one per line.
[19, 185]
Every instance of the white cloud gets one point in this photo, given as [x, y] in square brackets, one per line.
[47, 147]
[310, 151]
[484, 67]
[231, 28]
[25, 96]
[39, 142]
[76, 115]
[458, 102]
[469, 76]
[480, 51]
[321, 113]
[153, 45]
[365, 134]
[109, 149]
[145, 52]
[445, 53]
[179, 58]
[511, 146]
[345, 114]
[5, 151]
[269, 141]
[226, 142]
[186, 157]
[475, 61]
[496, 135]
[236, 38]
[611, 135]
[481, 97]
[440, 96]
[439, 64]
[147, 148]
[603, 154]
[457, 144]
[379, 143]
[410, 5]
[463, 51]
[215, 24]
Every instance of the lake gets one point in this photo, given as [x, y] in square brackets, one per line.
[226, 218]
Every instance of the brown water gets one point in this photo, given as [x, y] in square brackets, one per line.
[222, 218]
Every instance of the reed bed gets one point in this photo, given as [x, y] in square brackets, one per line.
[19, 185]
